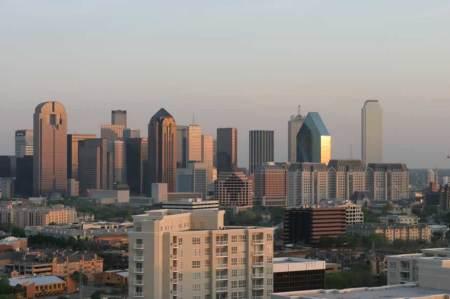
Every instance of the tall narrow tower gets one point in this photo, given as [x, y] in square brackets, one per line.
[372, 132]
[50, 148]
[162, 132]
[261, 148]
[226, 149]
[294, 125]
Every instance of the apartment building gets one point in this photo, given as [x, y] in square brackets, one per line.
[388, 181]
[345, 177]
[307, 184]
[393, 232]
[23, 216]
[271, 184]
[191, 254]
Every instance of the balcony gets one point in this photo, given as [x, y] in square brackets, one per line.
[138, 282]
[221, 242]
[258, 286]
[222, 277]
[258, 274]
[222, 266]
[258, 252]
[138, 246]
[258, 264]
[139, 270]
[138, 258]
[258, 241]
[222, 253]
[139, 295]
[221, 289]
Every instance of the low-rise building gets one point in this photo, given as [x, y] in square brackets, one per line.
[400, 219]
[393, 232]
[116, 278]
[119, 196]
[43, 286]
[17, 244]
[297, 274]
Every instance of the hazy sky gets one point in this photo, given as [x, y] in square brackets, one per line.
[243, 63]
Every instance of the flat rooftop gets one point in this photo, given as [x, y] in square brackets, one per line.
[395, 291]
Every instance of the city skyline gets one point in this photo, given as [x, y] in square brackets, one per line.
[265, 66]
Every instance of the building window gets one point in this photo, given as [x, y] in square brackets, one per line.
[195, 241]
[195, 264]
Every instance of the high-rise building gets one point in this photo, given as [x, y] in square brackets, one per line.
[309, 225]
[24, 143]
[131, 133]
[432, 176]
[162, 130]
[112, 132]
[234, 190]
[191, 254]
[307, 184]
[313, 140]
[261, 148]
[372, 132]
[345, 177]
[189, 145]
[208, 156]
[23, 185]
[94, 163]
[119, 162]
[50, 148]
[194, 178]
[137, 164]
[72, 153]
[294, 125]
[271, 184]
[226, 149]
[388, 181]
[119, 117]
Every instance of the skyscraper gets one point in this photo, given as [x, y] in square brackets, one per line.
[208, 156]
[294, 125]
[261, 148]
[194, 143]
[372, 132]
[93, 164]
[72, 153]
[226, 149]
[137, 164]
[24, 143]
[50, 148]
[182, 146]
[162, 149]
[313, 140]
[119, 117]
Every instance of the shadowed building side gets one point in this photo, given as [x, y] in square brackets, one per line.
[162, 132]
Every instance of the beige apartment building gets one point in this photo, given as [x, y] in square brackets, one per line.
[345, 178]
[37, 216]
[387, 181]
[393, 232]
[191, 254]
[307, 184]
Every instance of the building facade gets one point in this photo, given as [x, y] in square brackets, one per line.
[137, 165]
[227, 146]
[94, 164]
[307, 184]
[37, 216]
[72, 153]
[261, 148]
[50, 148]
[294, 125]
[313, 140]
[388, 182]
[162, 149]
[346, 177]
[271, 185]
[311, 224]
[24, 143]
[393, 232]
[191, 254]
[234, 190]
[372, 132]
[119, 117]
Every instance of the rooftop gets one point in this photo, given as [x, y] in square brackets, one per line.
[37, 280]
[394, 291]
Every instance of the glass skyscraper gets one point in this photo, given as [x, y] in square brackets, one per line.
[313, 140]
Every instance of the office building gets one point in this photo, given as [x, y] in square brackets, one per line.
[313, 140]
[131, 133]
[119, 117]
[162, 153]
[393, 232]
[24, 143]
[137, 165]
[294, 125]
[7, 166]
[189, 145]
[194, 178]
[94, 164]
[191, 254]
[23, 185]
[271, 184]
[234, 190]
[372, 132]
[353, 213]
[226, 149]
[307, 184]
[261, 148]
[72, 153]
[429, 269]
[311, 224]
[297, 274]
[182, 146]
[50, 148]
[112, 132]
[388, 181]
[208, 157]
[345, 178]
[119, 162]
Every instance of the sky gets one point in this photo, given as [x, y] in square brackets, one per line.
[246, 64]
